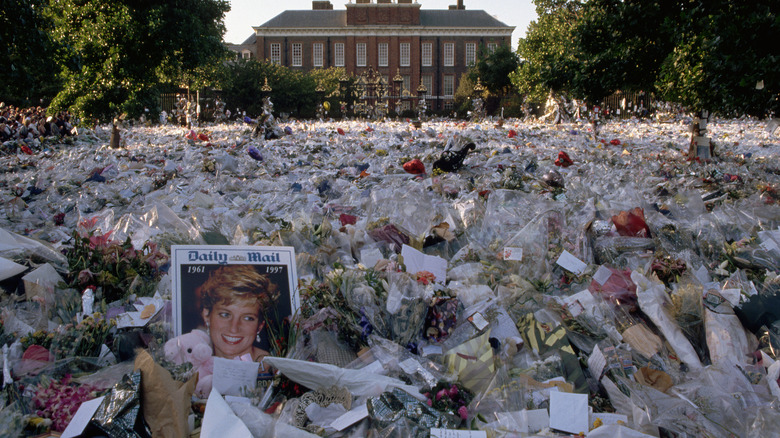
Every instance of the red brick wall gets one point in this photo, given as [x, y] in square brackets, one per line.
[415, 70]
[365, 14]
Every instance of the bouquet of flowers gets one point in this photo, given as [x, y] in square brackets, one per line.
[97, 260]
[58, 400]
[85, 339]
[450, 398]
[40, 338]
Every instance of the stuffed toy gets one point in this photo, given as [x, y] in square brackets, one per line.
[193, 347]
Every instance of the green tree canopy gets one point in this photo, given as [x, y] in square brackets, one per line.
[621, 44]
[28, 73]
[547, 52]
[115, 55]
[292, 91]
[493, 70]
[705, 55]
[722, 50]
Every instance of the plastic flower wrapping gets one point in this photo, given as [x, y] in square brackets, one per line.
[531, 260]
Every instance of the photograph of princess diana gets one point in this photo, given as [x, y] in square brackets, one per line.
[234, 294]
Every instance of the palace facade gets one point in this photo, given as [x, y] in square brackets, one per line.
[395, 38]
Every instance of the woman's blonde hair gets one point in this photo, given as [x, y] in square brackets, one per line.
[229, 284]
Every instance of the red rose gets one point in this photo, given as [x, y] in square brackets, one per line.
[415, 167]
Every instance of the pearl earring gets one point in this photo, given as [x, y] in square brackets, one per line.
[257, 338]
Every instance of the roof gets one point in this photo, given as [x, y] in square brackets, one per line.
[458, 18]
[323, 18]
[251, 40]
[338, 18]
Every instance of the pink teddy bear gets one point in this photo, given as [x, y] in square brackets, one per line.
[193, 347]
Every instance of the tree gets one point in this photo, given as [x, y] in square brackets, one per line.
[29, 76]
[547, 52]
[723, 51]
[621, 45]
[493, 70]
[292, 91]
[117, 54]
[464, 94]
[329, 80]
[696, 53]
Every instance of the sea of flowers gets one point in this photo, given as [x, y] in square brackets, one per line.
[579, 282]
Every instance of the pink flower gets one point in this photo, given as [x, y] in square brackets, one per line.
[463, 413]
[99, 241]
[429, 402]
[85, 276]
[440, 394]
[453, 391]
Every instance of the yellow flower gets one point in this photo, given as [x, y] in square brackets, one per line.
[36, 421]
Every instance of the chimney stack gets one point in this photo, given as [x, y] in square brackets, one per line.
[320, 5]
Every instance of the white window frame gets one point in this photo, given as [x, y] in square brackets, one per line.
[471, 54]
[449, 54]
[297, 54]
[338, 51]
[426, 57]
[405, 54]
[448, 86]
[492, 47]
[276, 53]
[427, 80]
[360, 54]
[316, 55]
[381, 51]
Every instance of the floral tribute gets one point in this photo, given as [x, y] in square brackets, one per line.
[450, 398]
[98, 260]
[58, 400]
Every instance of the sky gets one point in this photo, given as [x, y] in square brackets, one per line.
[247, 13]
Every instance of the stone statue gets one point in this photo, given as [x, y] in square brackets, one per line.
[87, 301]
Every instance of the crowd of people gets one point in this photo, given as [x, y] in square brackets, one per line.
[31, 123]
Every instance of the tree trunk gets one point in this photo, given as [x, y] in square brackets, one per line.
[115, 137]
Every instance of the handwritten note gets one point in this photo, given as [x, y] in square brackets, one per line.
[231, 376]
[453, 433]
[571, 263]
[597, 362]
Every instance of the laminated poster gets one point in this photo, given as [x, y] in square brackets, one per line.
[198, 268]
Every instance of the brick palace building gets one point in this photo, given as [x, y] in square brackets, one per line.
[394, 38]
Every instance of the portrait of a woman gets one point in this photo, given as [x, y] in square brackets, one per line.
[231, 302]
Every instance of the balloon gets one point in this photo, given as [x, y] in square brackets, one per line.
[326, 105]
[254, 153]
